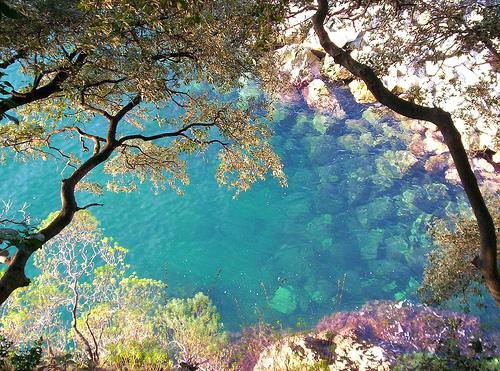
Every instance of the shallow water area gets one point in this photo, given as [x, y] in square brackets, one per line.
[349, 228]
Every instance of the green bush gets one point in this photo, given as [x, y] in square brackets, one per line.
[138, 356]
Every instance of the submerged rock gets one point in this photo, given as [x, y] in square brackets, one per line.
[320, 291]
[369, 244]
[394, 164]
[284, 300]
[319, 226]
[373, 115]
[375, 211]
[437, 163]
[360, 126]
[321, 123]
[349, 142]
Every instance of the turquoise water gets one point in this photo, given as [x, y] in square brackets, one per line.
[349, 228]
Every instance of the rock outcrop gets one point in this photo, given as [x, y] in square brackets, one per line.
[373, 338]
[344, 351]
[308, 67]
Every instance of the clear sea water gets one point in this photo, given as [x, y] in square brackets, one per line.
[348, 229]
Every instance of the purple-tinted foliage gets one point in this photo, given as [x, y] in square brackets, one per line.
[246, 349]
[404, 327]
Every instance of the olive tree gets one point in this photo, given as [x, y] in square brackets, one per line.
[138, 86]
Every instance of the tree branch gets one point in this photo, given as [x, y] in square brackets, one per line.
[88, 205]
[111, 135]
[43, 92]
[164, 135]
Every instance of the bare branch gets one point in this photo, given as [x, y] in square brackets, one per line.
[89, 205]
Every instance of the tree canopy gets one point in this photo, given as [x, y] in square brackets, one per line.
[139, 86]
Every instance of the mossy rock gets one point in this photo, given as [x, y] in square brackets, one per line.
[280, 113]
[390, 287]
[302, 123]
[359, 126]
[376, 211]
[320, 149]
[360, 92]
[349, 142]
[373, 115]
[369, 244]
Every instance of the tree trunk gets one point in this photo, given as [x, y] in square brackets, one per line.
[15, 276]
[487, 259]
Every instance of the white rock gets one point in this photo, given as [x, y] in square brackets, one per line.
[300, 63]
[338, 37]
[431, 68]
[455, 61]
[433, 144]
[488, 141]
[466, 76]
[482, 164]
[318, 96]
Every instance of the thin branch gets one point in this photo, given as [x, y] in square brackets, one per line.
[164, 135]
[89, 205]
[91, 108]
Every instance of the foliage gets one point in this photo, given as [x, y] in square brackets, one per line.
[407, 327]
[19, 358]
[84, 277]
[450, 271]
[7, 11]
[449, 356]
[134, 355]
[433, 362]
[147, 85]
[193, 330]
[159, 55]
[118, 320]
[246, 350]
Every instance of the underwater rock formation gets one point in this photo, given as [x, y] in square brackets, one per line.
[306, 64]
[284, 300]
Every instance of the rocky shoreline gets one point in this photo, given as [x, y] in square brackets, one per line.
[314, 77]
[375, 338]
